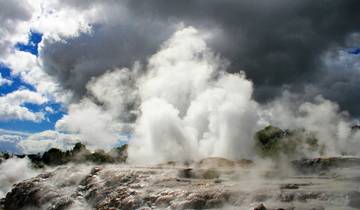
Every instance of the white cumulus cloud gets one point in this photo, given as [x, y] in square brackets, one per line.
[11, 105]
[43, 141]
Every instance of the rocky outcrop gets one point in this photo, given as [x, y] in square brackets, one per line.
[35, 193]
[218, 162]
[111, 187]
[324, 164]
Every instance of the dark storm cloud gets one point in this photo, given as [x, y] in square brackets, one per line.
[339, 79]
[344, 90]
[278, 43]
[75, 62]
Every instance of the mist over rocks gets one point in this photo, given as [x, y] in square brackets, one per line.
[106, 187]
[14, 170]
[75, 180]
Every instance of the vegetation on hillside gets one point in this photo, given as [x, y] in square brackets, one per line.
[79, 154]
[272, 142]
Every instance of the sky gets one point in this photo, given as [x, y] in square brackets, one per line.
[84, 70]
[51, 110]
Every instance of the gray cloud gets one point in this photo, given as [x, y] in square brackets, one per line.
[11, 11]
[11, 14]
[75, 62]
[278, 43]
[341, 80]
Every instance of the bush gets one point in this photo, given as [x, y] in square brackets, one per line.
[120, 153]
[99, 156]
[55, 157]
[272, 142]
[268, 141]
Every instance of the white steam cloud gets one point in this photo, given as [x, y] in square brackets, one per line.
[322, 118]
[12, 171]
[192, 108]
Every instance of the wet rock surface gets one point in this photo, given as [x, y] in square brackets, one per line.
[221, 184]
[324, 164]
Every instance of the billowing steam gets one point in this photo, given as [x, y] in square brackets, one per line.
[183, 105]
[12, 171]
[322, 117]
[192, 108]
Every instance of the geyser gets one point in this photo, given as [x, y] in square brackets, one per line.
[183, 105]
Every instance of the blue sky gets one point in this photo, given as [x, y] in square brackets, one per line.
[17, 83]
[355, 51]
[32, 45]
[15, 131]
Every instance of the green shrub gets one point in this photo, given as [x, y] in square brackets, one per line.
[99, 156]
[55, 157]
[272, 142]
[268, 141]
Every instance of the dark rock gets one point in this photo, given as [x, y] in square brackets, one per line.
[197, 173]
[355, 128]
[260, 207]
[286, 197]
[217, 181]
[186, 173]
[24, 194]
[294, 186]
[112, 187]
[324, 164]
[289, 186]
[354, 199]
[61, 203]
[2, 203]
